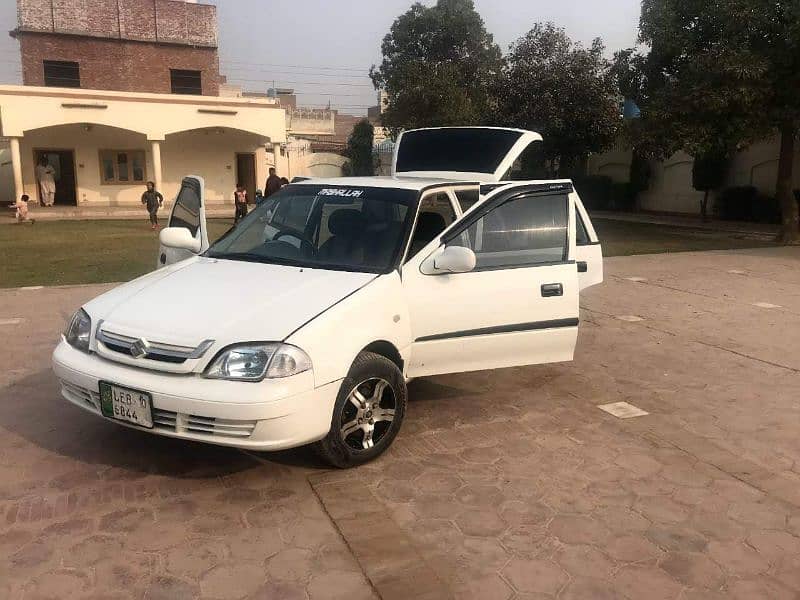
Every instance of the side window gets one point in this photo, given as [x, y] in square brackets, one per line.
[525, 231]
[186, 212]
[435, 215]
[467, 198]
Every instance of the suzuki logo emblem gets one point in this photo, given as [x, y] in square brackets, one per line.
[139, 348]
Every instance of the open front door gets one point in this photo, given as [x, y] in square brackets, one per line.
[518, 305]
[188, 212]
[465, 153]
[588, 251]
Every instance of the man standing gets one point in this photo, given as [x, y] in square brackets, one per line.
[154, 200]
[45, 175]
[273, 183]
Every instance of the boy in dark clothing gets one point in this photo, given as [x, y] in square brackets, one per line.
[154, 200]
[240, 200]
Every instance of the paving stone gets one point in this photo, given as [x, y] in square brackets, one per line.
[339, 586]
[482, 523]
[646, 582]
[693, 569]
[540, 576]
[579, 530]
[171, 588]
[632, 548]
[489, 587]
[229, 582]
[585, 588]
[737, 559]
[293, 564]
[585, 561]
[195, 557]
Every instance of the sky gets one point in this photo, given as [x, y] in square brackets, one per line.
[324, 48]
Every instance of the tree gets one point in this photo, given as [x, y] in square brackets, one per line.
[725, 74]
[359, 150]
[562, 90]
[708, 173]
[438, 63]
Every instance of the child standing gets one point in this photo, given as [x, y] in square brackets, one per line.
[154, 200]
[240, 201]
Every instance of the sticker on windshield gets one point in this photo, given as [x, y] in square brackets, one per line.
[341, 192]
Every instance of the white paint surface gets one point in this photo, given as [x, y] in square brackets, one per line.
[766, 305]
[623, 410]
[630, 318]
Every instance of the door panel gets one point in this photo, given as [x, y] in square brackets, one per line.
[518, 306]
[588, 251]
[189, 212]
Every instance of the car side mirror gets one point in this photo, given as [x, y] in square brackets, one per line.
[449, 259]
[179, 237]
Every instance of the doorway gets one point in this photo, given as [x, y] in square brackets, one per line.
[246, 174]
[63, 163]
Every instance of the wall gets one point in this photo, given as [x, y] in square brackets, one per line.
[124, 46]
[671, 182]
[173, 21]
[118, 65]
[25, 108]
[210, 154]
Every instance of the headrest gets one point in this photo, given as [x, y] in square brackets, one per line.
[346, 222]
[429, 225]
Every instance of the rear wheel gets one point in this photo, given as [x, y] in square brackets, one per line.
[368, 414]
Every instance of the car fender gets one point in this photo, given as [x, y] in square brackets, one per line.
[333, 339]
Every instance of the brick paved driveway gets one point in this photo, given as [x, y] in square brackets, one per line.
[506, 484]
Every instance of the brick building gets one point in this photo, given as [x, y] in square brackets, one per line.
[119, 92]
[158, 46]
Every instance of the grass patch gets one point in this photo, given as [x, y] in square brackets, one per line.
[75, 252]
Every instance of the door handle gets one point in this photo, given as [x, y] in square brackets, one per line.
[582, 266]
[549, 290]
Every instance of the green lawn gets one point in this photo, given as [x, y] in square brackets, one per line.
[70, 252]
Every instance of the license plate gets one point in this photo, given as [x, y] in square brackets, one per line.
[125, 404]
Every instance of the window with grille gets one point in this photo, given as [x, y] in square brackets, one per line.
[186, 82]
[59, 73]
[122, 167]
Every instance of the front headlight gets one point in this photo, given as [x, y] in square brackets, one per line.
[254, 362]
[79, 331]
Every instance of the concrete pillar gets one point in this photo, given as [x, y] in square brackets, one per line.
[276, 159]
[155, 146]
[16, 165]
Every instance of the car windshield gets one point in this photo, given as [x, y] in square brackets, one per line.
[323, 226]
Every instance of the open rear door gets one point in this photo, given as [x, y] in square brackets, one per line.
[465, 153]
[588, 251]
[189, 212]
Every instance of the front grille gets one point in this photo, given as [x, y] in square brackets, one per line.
[158, 351]
[81, 395]
[180, 422]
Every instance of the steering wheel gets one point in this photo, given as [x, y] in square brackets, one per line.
[306, 245]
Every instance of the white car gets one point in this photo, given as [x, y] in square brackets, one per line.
[304, 323]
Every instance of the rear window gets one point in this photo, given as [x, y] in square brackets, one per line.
[465, 150]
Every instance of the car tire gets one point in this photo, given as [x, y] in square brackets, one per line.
[369, 411]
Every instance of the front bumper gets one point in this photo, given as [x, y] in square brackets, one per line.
[267, 415]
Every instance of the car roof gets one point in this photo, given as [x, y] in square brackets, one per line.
[403, 183]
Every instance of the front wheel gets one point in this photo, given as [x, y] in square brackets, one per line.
[369, 411]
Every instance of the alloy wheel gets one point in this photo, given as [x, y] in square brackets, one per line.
[368, 414]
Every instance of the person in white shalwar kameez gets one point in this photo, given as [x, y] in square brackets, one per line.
[45, 175]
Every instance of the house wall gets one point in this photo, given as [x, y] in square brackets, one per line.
[671, 181]
[6, 175]
[123, 46]
[118, 65]
[208, 153]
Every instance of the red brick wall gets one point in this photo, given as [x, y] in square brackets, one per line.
[118, 65]
[166, 20]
